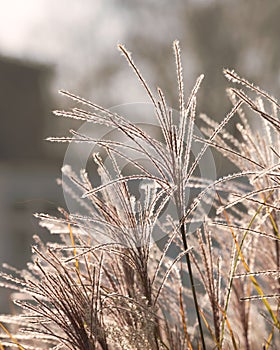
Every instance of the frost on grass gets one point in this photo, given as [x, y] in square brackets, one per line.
[217, 287]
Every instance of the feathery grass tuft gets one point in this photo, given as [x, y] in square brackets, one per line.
[109, 283]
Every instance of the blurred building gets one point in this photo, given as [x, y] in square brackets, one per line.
[27, 171]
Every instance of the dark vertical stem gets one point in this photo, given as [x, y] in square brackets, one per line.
[183, 234]
[277, 246]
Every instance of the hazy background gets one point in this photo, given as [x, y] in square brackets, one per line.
[47, 44]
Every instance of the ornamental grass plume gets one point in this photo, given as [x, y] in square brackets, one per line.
[108, 284]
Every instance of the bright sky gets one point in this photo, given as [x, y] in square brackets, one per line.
[44, 28]
[17, 18]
